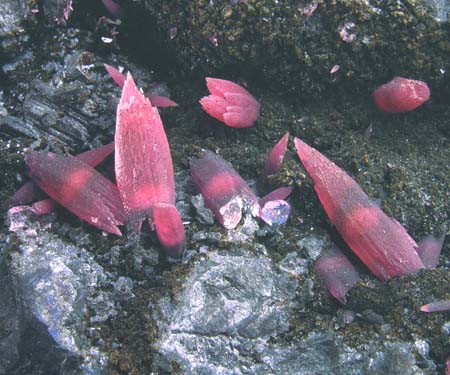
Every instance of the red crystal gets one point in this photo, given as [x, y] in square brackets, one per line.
[379, 241]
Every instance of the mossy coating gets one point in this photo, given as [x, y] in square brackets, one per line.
[281, 43]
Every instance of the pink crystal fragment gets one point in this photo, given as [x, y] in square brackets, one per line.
[213, 39]
[281, 193]
[44, 206]
[161, 101]
[378, 240]
[337, 272]
[276, 156]
[275, 212]
[117, 76]
[429, 250]
[144, 169]
[224, 191]
[437, 306]
[173, 31]
[401, 95]
[230, 103]
[78, 187]
[113, 8]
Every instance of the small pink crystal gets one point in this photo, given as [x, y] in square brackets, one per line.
[429, 250]
[337, 272]
[437, 306]
[275, 159]
[401, 95]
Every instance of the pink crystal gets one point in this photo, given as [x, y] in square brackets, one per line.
[144, 170]
[224, 191]
[230, 103]
[78, 187]
[437, 306]
[378, 240]
[337, 272]
[275, 159]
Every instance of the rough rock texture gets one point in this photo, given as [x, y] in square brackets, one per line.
[296, 44]
[49, 288]
[12, 33]
[230, 313]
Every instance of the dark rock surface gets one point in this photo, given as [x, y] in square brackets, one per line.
[295, 44]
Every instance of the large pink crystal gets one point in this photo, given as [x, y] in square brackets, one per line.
[230, 103]
[78, 187]
[144, 170]
[379, 241]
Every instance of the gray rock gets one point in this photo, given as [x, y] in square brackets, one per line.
[229, 317]
[226, 302]
[12, 33]
[51, 285]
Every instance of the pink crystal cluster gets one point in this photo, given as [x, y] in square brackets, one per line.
[145, 186]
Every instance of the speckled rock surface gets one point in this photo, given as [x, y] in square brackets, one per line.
[307, 47]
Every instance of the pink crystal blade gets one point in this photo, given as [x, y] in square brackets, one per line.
[161, 101]
[281, 193]
[29, 191]
[78, 187]
[276, 156]
[337, 272]
[144, 169]
[113, 8]
[118, 77]
[378, 240]
[429, 249]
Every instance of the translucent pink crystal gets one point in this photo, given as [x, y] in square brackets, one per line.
[224, 191]
[429, 249]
